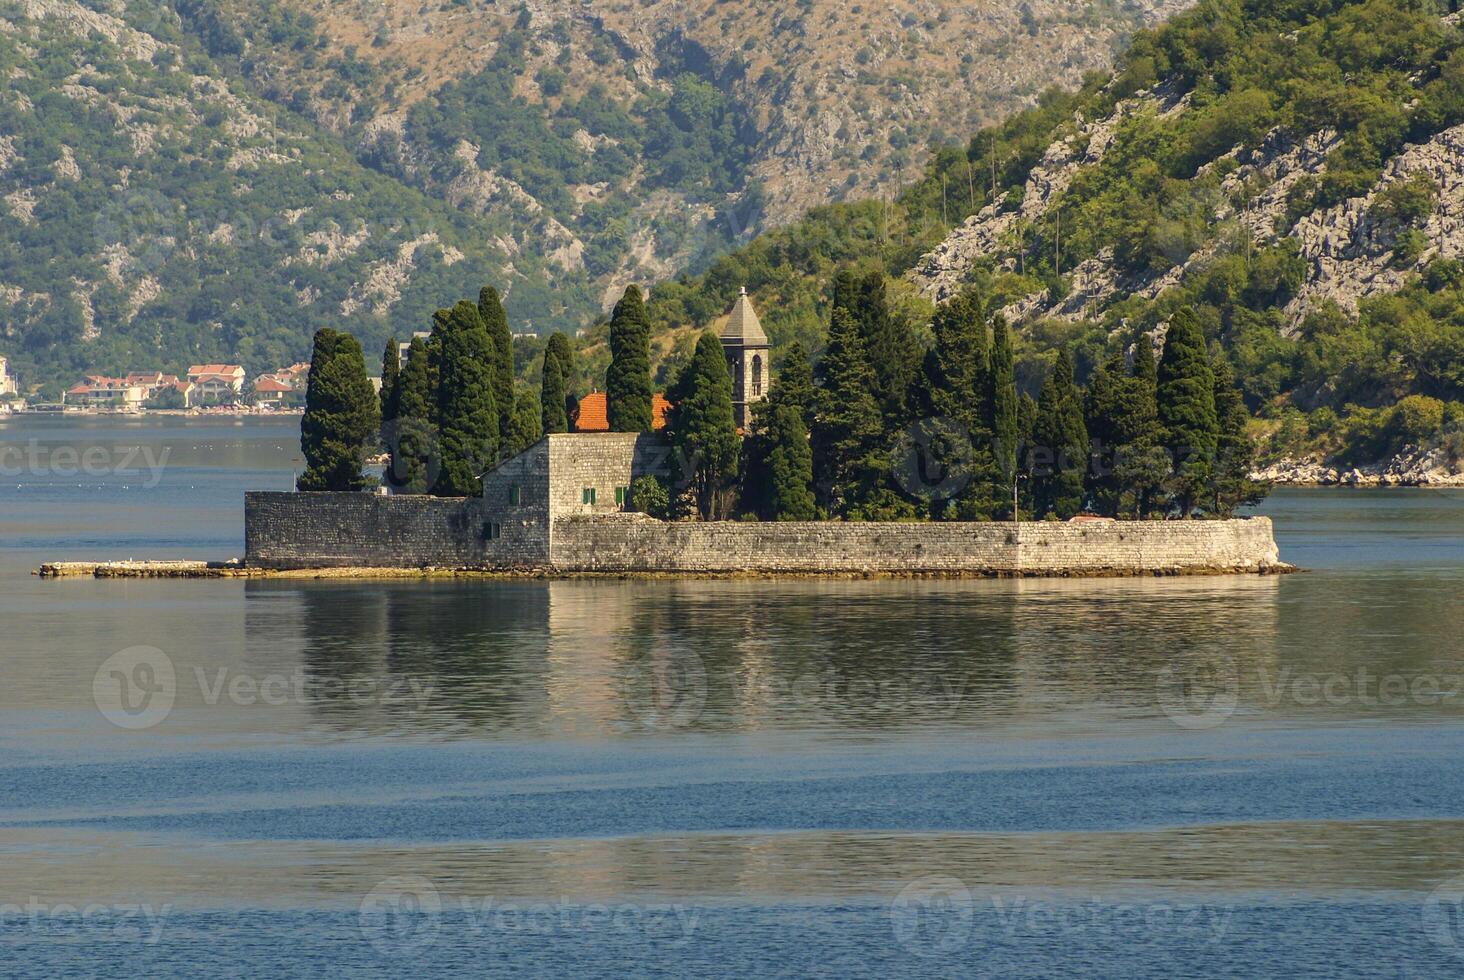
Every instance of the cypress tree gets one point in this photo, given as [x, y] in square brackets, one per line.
[414, 451]
[1062, 440]
[703, 429]
[495, 321]
[561, 350]
[524, 425]
[391, 371]
[1103, 410]
[953, 391]
[1002, 397]
[342, 415]
[628, 382]
[434, 362]
[551, 396]
[790, 466]
[1231, 484]
[889, 346]
[1186, 401]
[794, 385]
[466, 409]
[1142, 464]
[953, 376]
[848, 428]
[845, 290]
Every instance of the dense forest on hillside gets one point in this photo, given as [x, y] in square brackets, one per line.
[1377, 75]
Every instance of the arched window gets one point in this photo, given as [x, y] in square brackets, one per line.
[756, 375]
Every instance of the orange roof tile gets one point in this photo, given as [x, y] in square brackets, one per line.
[593, 416]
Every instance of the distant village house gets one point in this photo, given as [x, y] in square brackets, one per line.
[217, 382]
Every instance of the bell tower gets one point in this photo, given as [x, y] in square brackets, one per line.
[746, 348]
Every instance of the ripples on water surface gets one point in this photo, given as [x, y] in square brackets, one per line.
[1189, 777]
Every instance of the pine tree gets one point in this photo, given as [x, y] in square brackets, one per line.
[1060, 444]
[628, 382]
[551, 396]
[391, 370]
[342, 415]
[1002, 397]
[1230, 483]
[790, 466]
[495, 321]
[414, 450]
[1186, 401]
[561, 352]
[848, 464]
[524, 425]
[702, 426]
[466, 409]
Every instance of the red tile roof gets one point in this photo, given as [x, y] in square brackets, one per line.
[268, 384]
[592, 415]
[221, 369]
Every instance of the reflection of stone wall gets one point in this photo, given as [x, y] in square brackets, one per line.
[292, 530]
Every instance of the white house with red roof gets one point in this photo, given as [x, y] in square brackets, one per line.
[100, 391]
[272, 390]
[217, 381]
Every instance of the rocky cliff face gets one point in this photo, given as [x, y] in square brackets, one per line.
[360, 165]
[1415, 466]
[832, 101]
[1353, 250]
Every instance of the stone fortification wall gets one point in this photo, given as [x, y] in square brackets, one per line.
[336, 530]
[318, 530]
[631, 543]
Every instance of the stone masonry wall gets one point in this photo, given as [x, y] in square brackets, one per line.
[318, 530]
[326, 530]
[633, 543]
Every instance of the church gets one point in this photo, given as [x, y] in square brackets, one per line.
[748, 364]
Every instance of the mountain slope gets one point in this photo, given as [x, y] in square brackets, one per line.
[1292, 170]
[155, 213]
[213, 179]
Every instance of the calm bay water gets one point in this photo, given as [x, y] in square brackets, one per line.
[1189, 777]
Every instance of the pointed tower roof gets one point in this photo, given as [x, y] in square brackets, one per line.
[742, 325]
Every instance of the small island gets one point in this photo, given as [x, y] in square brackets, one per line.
[882, 459]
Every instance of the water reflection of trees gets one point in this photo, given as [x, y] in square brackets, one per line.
[585, 657]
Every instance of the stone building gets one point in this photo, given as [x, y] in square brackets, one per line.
[746, 347]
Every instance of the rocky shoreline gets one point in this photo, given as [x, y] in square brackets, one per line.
[1411, 468]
